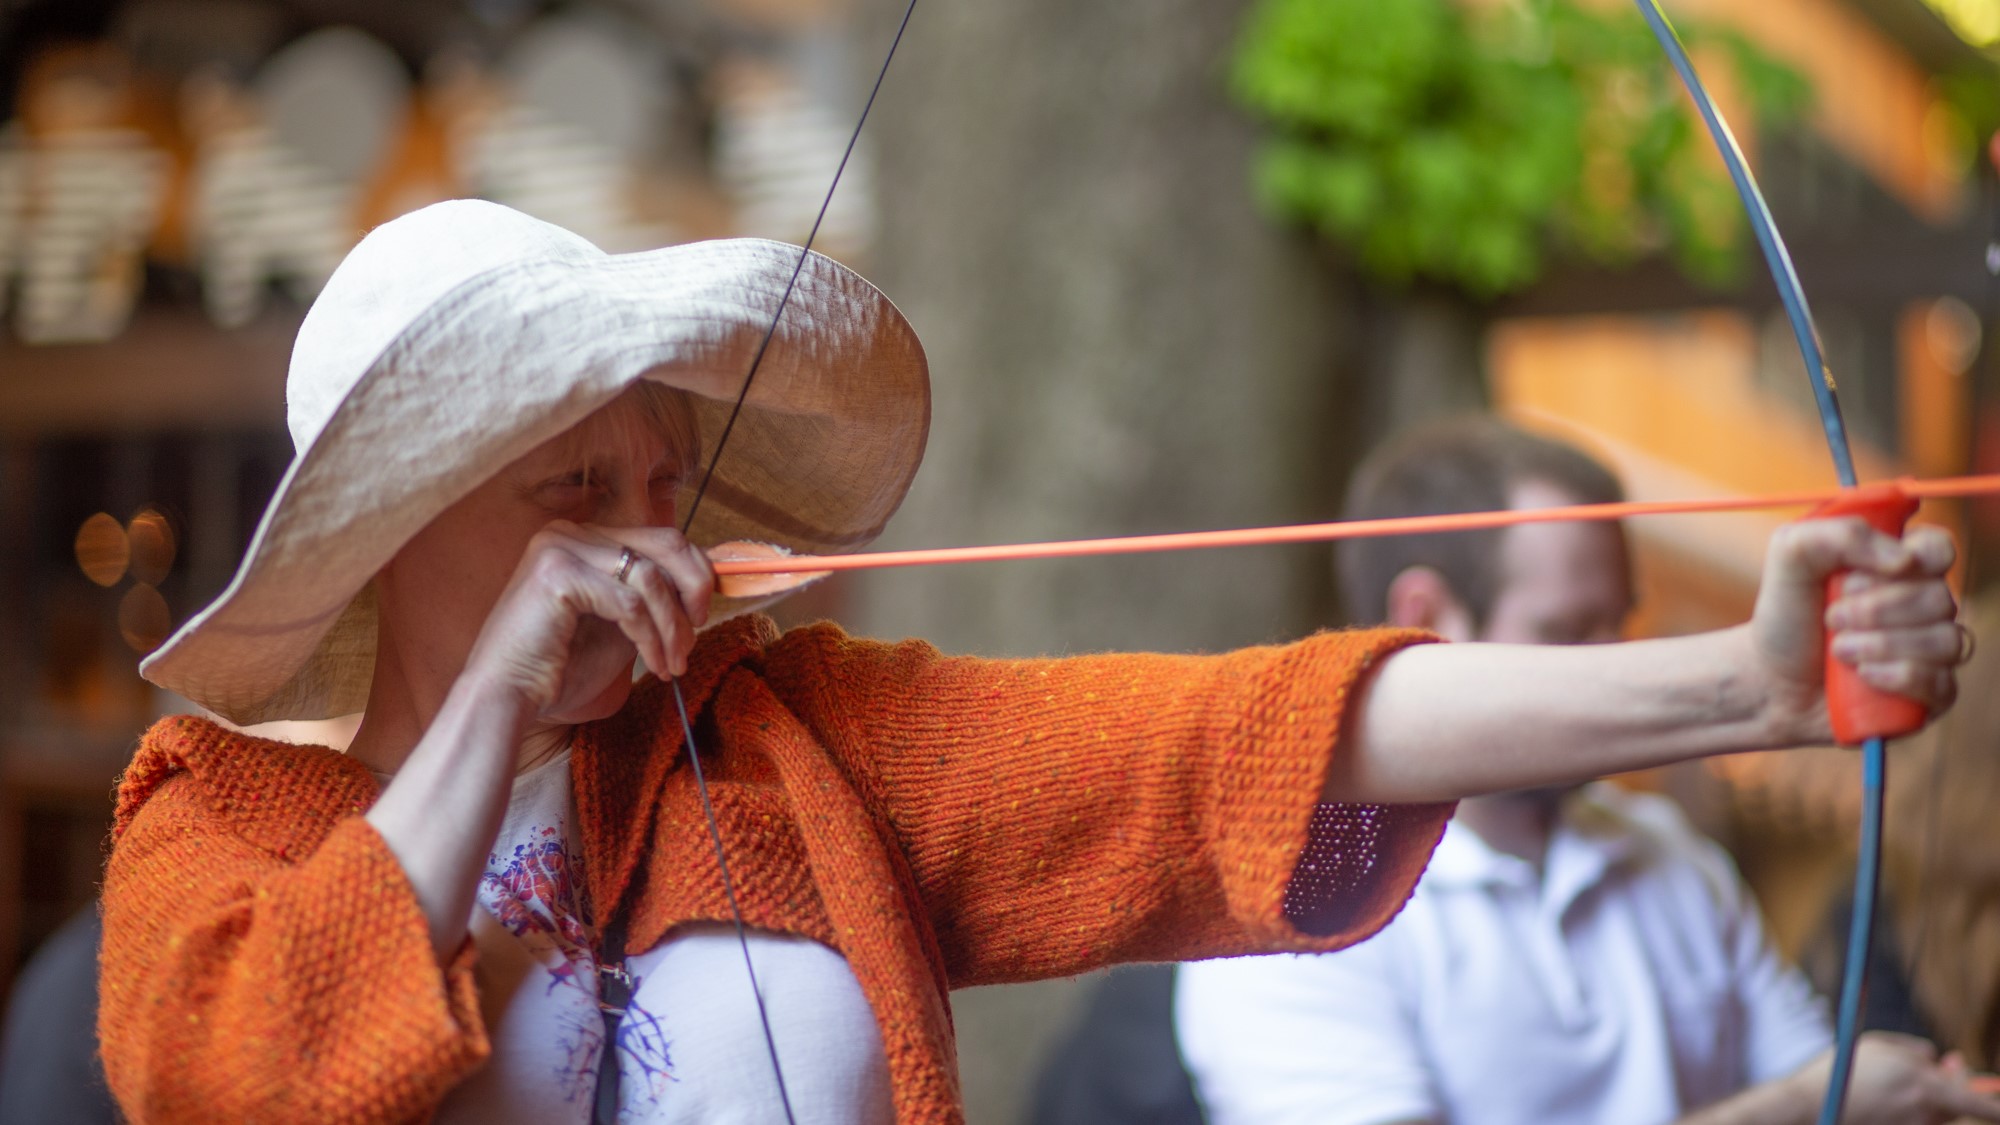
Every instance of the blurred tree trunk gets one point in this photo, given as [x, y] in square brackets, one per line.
[1418, 356]
[1119, 343]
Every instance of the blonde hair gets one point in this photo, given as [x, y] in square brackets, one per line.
[667, 412]
[1942, 862]
[670, 411]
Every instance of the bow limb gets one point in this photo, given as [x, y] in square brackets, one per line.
[1868, 861]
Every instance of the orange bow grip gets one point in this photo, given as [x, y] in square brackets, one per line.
[1860, 712]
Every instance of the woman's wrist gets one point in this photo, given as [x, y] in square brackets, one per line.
[1746, 699]
[481, 693]
[1786, 713]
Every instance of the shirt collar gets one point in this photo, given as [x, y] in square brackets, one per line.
[1592, 836]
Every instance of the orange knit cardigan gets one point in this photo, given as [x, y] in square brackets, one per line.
[941, 822]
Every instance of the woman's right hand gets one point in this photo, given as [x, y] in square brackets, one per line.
[566, 629]
[1899, 1080]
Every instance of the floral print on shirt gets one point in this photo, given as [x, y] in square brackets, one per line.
[537, 892]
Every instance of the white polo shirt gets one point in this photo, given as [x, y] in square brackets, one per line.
[1633, 983]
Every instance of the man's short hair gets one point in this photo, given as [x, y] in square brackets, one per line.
[1463, 465]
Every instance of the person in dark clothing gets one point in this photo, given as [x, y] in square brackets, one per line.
[49, 1069]
[1120, 1065]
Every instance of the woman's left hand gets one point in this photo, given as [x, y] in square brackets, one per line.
[1895, 620]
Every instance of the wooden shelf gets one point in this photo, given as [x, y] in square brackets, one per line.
[170, 369]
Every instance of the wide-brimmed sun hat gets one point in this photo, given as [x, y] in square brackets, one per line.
[456, 338]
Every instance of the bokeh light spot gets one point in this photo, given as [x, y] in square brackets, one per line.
[102, 549]
[152, 545]
[143, 618]
[1975, 21]
[1952, 332]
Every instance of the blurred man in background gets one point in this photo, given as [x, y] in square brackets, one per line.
[1572, 955]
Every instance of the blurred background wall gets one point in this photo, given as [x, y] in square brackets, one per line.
[1155, 297]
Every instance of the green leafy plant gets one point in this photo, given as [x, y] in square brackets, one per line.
[1972, 96]
[1437, 139]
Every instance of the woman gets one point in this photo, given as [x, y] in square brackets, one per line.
[474, 545]
[1935, 966]
[1943, 871]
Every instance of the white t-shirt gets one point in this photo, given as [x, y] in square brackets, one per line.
[1631, 982]
[691, 1047]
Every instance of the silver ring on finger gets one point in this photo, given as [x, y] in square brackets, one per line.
[625, 560]
[1968, 642]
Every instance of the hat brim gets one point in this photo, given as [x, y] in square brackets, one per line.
[830, 437]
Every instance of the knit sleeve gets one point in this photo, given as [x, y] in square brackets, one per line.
[238, 986]
[1062, 814]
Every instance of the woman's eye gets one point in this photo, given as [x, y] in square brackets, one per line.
[566, 491]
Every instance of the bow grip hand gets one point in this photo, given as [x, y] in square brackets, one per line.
[1858, 711]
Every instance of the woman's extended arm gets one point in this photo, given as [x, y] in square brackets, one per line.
[1445, 721]
[1061, 814]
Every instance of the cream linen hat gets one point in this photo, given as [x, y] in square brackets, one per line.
[456, 338]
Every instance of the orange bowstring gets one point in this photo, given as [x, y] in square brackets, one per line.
[1941, 488]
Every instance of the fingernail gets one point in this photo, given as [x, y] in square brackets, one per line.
[1847, 649]
[1838, 616]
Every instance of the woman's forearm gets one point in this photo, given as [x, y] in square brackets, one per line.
[1438, 722]
[1784, 1102]
[441, 811]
